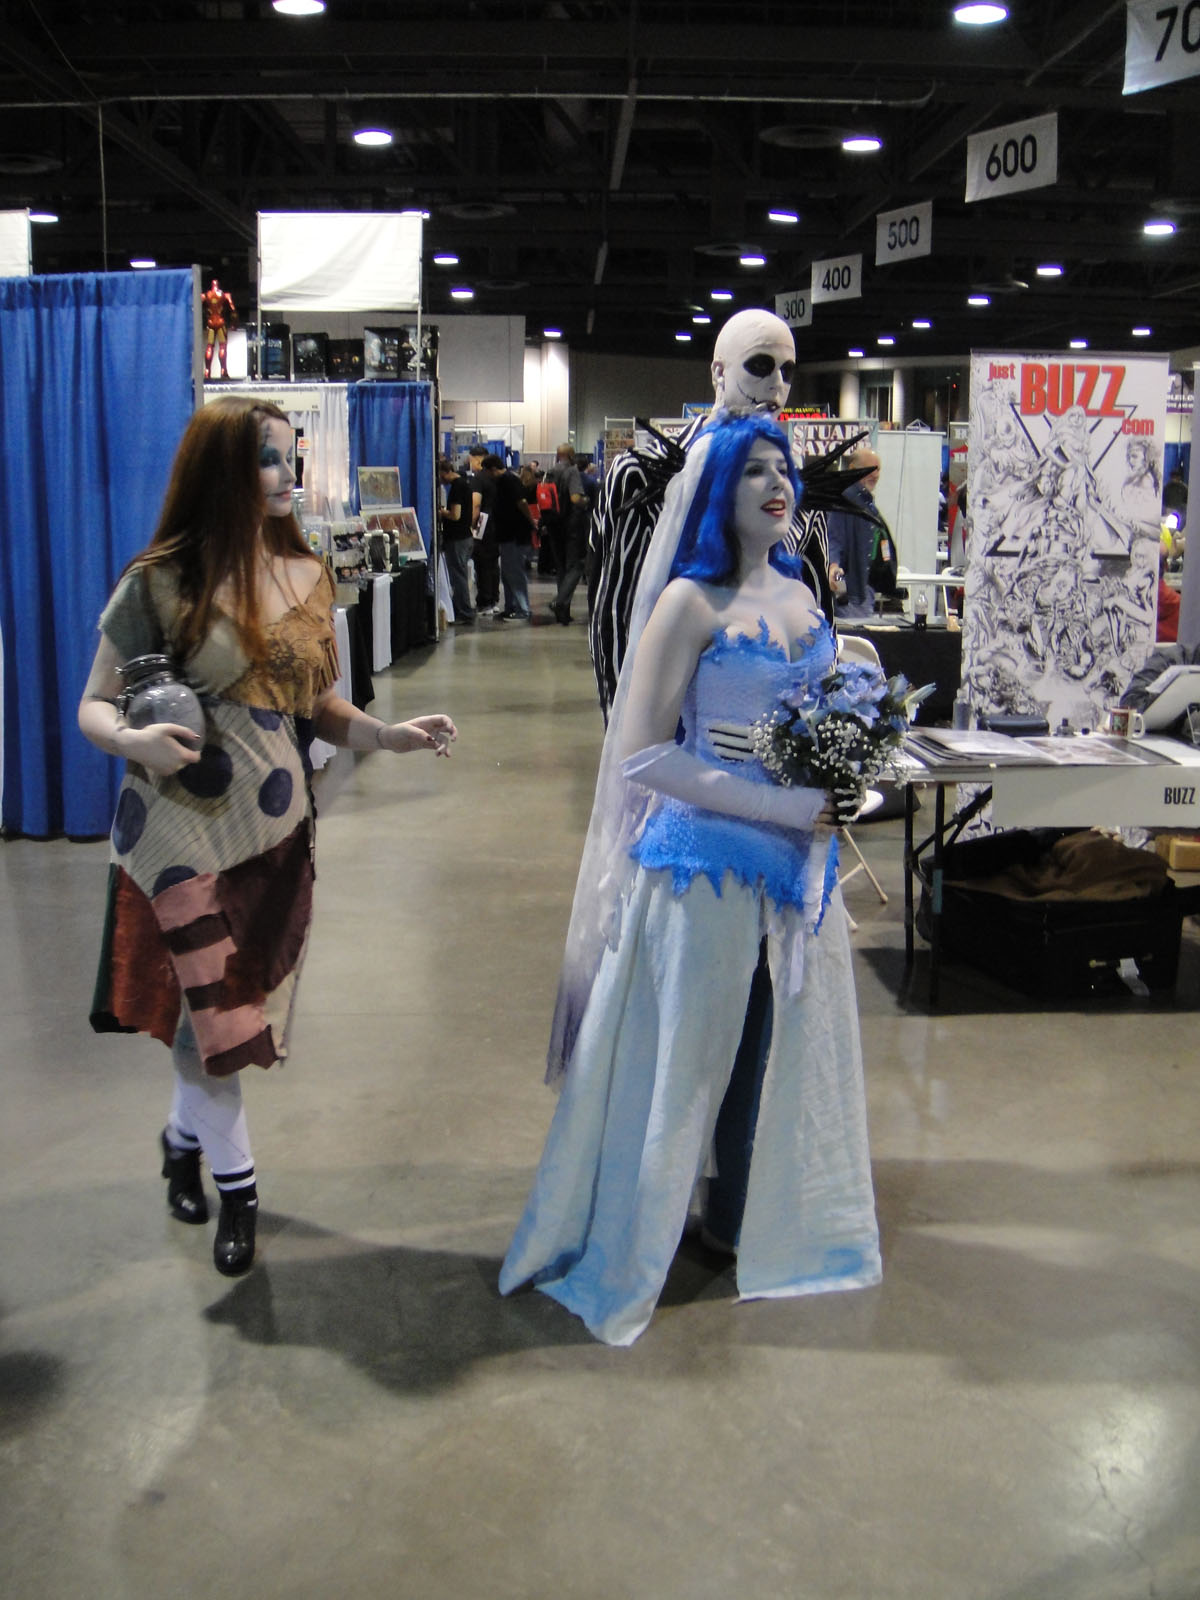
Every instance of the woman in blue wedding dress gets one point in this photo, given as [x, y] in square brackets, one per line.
[694, 861]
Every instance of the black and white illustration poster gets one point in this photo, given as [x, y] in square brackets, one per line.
[1064, 493]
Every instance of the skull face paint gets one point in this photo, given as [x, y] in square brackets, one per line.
[754, 362]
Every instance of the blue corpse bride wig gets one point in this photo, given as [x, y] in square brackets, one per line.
[708, 549]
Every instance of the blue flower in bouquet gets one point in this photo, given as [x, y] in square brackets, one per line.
[839, 734]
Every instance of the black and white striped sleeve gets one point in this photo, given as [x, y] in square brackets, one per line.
[620, 536]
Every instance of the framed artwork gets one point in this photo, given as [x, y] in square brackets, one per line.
[378, 486]
[408, 534]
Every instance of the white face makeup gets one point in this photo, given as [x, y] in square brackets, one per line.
[754, 362]
[277, 466]
[763, 500]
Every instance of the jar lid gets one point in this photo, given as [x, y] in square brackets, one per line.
[142, 666]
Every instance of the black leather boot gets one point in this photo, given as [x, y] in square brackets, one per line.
[185, 1192]
[233, 1248]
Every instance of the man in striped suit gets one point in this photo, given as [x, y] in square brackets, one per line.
[754, 360]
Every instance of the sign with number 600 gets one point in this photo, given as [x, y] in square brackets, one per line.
[1162, 43]
[795, 308]
[901, 235]
[1022, 155]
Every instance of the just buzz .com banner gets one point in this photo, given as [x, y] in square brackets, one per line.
[1064, 497]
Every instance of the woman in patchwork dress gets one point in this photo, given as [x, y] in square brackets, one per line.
[210, 883]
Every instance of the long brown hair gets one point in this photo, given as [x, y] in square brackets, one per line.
[213, 509]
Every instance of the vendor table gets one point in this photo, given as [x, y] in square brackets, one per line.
[395, 614]
[1163, 790]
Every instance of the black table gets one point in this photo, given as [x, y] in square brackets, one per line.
[923, 655]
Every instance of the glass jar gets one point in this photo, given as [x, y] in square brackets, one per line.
[154, 694]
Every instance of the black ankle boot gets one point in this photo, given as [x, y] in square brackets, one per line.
[233, 1248]
[185, 1192]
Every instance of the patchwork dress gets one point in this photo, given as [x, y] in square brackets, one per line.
[211, 875]
[633, 1130]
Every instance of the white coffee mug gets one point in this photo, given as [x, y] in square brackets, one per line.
[1124, 722]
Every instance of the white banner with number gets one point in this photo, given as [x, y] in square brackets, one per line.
[1021, 155]
[15, 251]
[795, 309]
[838, 278]
[904, 234]
[1162, 43]
[1064, 495]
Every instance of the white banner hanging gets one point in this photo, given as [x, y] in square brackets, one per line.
[902, 235]
[795, 309]
[1064, 495]
[838, 278]
[339, 261]
[1021, 155]
[16, 255]
[1162, 43]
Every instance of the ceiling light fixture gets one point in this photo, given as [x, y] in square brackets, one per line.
[299, 8]
[1158, 228]
[142, 263]
[1049, 269]
[978, 15]
[720, 294]
[855, 355]
[371, 138]
[789, 217]
[43, 216]
[753, 261]
[702, 319]
[1141, 333]
[862, 144]
[922, 322]
[885, 338]
[551, 333]
[445, 258]
[979, 300]
[1079, 344]
[683, 338]
[462, 293]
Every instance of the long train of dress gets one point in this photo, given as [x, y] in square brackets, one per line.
[659, 1033]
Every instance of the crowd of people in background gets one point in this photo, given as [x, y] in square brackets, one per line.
[507, 523]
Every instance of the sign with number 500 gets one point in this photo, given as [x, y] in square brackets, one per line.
[900, 235]
[1022, 155]
[1162, 43]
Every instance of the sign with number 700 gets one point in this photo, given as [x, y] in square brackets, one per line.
[1162, 42]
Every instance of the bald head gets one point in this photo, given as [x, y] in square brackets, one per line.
[865, 458]
[754, 361]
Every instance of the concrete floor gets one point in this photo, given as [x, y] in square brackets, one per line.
[1015, 1412]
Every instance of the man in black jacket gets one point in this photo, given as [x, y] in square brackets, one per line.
[512, 521]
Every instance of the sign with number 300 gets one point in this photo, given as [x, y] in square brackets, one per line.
[1162, 42]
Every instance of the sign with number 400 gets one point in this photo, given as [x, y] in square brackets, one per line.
[838, 278]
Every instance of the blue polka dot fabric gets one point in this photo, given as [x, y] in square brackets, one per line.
[275, 794]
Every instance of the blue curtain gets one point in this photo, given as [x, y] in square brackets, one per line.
[95, 392]
[391, 425]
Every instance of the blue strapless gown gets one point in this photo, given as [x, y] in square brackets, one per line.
[632, 1133]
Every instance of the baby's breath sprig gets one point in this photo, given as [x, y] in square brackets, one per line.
[843, 736]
